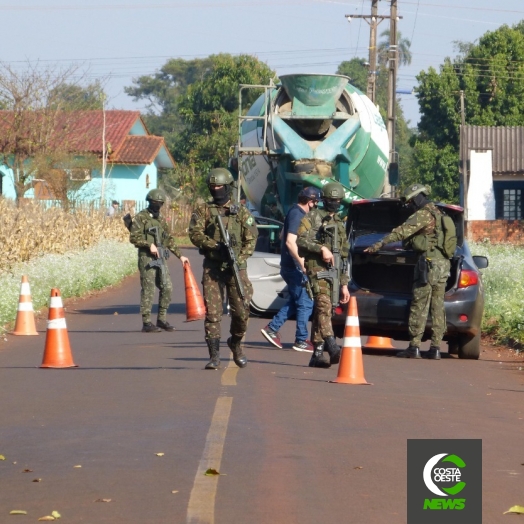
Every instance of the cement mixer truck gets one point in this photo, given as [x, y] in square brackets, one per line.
[308, 130]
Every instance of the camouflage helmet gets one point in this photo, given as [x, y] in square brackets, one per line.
[157, 195]
[333, 190]
[414, 190]
[219, 177]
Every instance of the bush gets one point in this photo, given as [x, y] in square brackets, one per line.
[504, 287]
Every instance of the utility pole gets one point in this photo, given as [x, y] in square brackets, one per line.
[392, 88]
[463, 162]
[373, 20]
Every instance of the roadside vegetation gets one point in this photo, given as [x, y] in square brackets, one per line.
[504, 287]
[30, 231]
[75, 252]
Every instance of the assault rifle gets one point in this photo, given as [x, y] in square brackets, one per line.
[332, 273]
[163, 255]
[228, 244]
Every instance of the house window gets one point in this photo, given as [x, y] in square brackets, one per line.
[508, 200]
[147, 181]
[512, 204]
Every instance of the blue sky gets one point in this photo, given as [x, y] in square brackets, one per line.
[119, 41]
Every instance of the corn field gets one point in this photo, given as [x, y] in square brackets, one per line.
[30, 231]
[33, 230]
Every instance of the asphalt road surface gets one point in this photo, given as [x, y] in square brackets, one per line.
[290, 447]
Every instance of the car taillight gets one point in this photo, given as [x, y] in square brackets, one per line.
[468, 278]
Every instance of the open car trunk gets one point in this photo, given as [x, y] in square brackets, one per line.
[391, 270]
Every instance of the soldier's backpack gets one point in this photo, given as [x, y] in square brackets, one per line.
[446, 234]
[448, 245]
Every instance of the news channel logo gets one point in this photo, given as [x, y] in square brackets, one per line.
[444, 481]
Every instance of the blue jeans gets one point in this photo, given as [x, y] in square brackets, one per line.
[299, 304]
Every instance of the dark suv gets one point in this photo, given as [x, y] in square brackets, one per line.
[382, 281]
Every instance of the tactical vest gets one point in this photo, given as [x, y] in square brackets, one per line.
[317, 232]
[232, 225]
[428, 240]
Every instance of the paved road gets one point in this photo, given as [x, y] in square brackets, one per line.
[290, 447]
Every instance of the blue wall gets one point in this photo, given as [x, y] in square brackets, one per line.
[123, 182]
[8, 187]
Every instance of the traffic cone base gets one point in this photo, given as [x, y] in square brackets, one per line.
[25, 317]
[57, 352]
[195, 307]
[351, 367]
[374, 342]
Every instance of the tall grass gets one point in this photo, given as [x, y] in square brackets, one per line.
[504, 288]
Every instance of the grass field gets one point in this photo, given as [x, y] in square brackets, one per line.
[504, 288]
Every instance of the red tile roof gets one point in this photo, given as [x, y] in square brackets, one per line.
[137, 150]
[87, 128]
[82, 132]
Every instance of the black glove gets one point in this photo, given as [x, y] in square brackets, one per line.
[222, 249]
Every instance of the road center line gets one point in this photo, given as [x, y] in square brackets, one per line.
[201, 507]
[229, 377]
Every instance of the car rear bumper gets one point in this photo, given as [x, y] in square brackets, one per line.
[383, 315]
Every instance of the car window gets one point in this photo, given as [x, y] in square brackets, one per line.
[268, 240]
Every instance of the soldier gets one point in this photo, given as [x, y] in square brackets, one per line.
[271, 209]
[431, 272]
[143, 238]
[204, 233]
[316, 246]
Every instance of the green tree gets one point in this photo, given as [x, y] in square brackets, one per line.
[194, 105]
[162, 92]
[491, 74]
[73, 97]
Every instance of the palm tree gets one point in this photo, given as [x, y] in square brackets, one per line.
[404, 54]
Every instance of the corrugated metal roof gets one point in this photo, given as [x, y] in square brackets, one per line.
[506, 144]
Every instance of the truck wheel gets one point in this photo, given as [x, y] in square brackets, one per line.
[469, 347]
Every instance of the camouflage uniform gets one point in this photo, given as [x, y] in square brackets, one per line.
[204, 233]
[426, 297]
[310, 239]
[150, 276]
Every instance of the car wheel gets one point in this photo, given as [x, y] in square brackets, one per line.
[453, 346]
[469, 347]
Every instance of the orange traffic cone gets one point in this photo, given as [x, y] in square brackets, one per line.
[25, 317]
[195, 308]
[57, 353]
[351, 367]
[374, 342]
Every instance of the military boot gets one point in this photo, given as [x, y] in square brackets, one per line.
[433, 353]
[213, 345]
[331, 346]
[150, 328]
[318, 359]
[410, 352]
[234, 344]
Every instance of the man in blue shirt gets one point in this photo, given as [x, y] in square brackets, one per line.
[294, 274]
